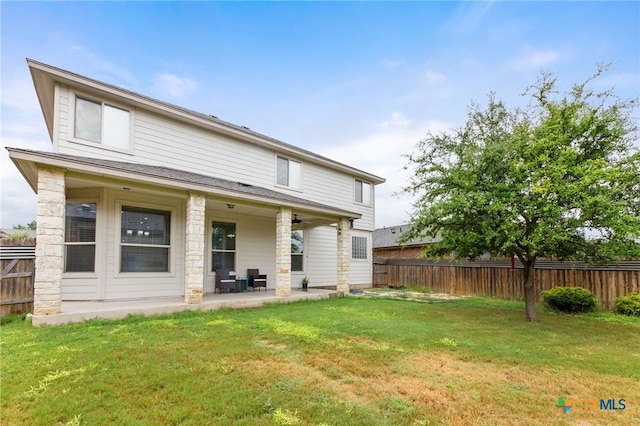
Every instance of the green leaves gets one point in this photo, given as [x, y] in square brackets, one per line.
[559, 178]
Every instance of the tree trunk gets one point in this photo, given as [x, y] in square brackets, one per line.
[530, 290]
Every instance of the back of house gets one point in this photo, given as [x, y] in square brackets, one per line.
[140, 198]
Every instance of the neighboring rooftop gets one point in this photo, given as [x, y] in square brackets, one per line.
[388, 237]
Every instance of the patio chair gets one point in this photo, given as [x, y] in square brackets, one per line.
[225, 281]
[256, 280]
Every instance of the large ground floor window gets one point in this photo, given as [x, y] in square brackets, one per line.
[145, 240]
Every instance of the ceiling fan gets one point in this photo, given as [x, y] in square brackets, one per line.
[295, 220]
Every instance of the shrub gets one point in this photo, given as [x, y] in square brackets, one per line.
[628, 305]
[570, 299]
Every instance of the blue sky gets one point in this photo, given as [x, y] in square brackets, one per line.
[359, 82]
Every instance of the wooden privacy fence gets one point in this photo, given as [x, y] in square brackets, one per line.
[497, 279]
[17, 263]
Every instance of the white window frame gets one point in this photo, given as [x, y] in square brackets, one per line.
[211, 270]
[96, 264]
[301, 255]
[355, 254]
[172, 243]
[365, 192]
[290, 184]
[103, 104]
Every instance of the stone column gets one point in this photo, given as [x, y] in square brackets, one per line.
[344, 255]
[283, 253]
[47, 296]
[194, 249]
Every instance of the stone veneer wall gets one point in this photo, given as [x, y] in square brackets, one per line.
[283, 253]
[47, 296]
[194, 249]
[344, 255]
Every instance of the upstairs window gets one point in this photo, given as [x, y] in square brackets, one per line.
[289, 173]
[363, 192]
[102, 123]
[358, 247]
[80, 237]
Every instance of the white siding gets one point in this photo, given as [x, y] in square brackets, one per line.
[160, 141]
[361, 269]
[134, 285]
[321, 256]
[157, 140]
[255, 246]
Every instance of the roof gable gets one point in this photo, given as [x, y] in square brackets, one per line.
[45, 77]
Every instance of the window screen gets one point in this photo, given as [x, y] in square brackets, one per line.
[80, 237]
[102, 123]
[297, 250]
[223, 244]
[145, 240]
[289, 173]
[363, 192]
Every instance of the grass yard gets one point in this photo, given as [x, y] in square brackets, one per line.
[349, 361]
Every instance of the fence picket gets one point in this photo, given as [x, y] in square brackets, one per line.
[496, 279]
[17, 263]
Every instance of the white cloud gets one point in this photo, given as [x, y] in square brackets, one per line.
[391, 63]
[22, 127]
[102, 69]
[434, 77]
[172, 86]
[18, 93]
[532, 58]
[397, 120]
[382, 153]
[467, 17]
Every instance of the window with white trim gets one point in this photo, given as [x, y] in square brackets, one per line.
[102, 123]
[363, 192]
[289, 173]
[80, 237]
[223, 246]
[145, 239]
[358, 247]
[297, 250]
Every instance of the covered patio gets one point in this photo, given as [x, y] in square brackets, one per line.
[79, 311]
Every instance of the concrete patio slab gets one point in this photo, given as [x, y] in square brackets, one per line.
[79, 311]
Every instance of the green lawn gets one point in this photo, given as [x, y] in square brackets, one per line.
[348, 361]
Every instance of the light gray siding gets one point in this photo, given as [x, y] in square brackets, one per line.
[119, 285]
[361, 269]
[157, 140]
[321, 247]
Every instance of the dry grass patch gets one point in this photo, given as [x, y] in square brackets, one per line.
[350, 361]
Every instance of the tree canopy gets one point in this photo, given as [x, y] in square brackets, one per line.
[558, 178]
[30, 226]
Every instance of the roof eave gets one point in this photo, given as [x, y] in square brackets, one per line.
[27, 162]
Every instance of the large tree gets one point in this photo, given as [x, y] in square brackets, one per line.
[559, 178]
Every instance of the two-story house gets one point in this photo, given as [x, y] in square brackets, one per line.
[140, 198]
